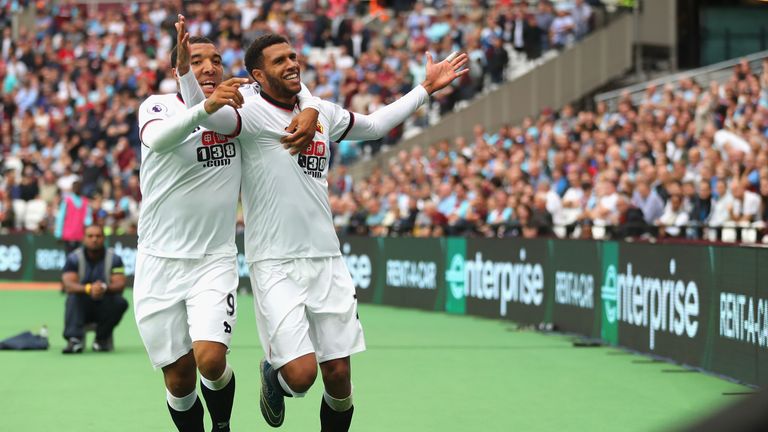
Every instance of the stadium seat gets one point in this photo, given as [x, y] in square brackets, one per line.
[748, 235]
[598, 232]
[576, 232]
[35, 214]
[728, 234]
[560, 231]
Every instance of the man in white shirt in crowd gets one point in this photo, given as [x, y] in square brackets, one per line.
[745, 205]
[675, 216]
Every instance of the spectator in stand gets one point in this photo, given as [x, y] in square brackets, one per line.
[648, 201]
[561, 33]
[541, 218]
[497, 60]
[582, 17]
[545, 15]
[605, 209]
[745, 204]
[533, 35]
[722, 205]
[674, 217]
[702, 207]
[630, 221]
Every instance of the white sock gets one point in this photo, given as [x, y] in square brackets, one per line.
[288, 388]
[183, 403]
[338, 405]
[220, 382]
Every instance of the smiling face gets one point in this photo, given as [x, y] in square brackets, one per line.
[205, 62]
[280, 74]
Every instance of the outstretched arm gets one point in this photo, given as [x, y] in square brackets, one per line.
[377, 124]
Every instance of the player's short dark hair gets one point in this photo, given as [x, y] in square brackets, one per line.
[192, 40]
[254, 57]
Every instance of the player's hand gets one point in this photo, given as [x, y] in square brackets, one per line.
[441, 74]
[226, 93]
[182, 46]
[302, 131]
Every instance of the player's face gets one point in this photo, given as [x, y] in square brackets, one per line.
[281, 70]
[206, 65]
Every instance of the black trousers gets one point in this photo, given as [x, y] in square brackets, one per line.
[81, 309]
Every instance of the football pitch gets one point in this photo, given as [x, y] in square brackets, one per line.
[422, 372]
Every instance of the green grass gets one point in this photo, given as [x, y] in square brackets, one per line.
[422, 372]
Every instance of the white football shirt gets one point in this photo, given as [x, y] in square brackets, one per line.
[190, 192]
[285, 198]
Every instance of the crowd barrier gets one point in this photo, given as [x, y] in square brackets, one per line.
[704, 306]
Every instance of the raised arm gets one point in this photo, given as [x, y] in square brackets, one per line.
[381, 121]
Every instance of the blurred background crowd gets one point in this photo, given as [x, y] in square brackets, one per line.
[71, 84]
[688, 155]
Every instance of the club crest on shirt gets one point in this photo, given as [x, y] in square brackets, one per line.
[319, 127]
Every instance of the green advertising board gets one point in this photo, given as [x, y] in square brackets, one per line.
[576, 279]
[414, 273]
[700, 305]
[455, 255]
[609, 329]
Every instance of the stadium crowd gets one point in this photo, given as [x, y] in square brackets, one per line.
[72, 82]
[688, 156]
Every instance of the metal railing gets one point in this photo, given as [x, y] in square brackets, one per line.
[717, 72]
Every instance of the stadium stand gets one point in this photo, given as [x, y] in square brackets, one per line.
[73, 76]
[686, 160]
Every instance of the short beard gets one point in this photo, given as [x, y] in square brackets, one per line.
[278, 86]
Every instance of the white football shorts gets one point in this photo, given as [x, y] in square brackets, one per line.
[306, 306]
[179, 301]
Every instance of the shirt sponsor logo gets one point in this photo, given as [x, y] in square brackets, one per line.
[314, 159]
[216, 150]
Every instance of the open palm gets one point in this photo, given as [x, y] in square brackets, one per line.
[182, 46]
[441, 74]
